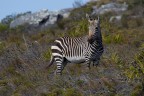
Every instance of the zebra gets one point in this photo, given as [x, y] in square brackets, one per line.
[78, 49]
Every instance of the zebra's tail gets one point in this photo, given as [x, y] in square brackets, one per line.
[50, 63]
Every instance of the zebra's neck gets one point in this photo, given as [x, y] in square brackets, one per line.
[97, 35]
[98, 38]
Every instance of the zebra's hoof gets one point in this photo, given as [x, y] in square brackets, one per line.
[96, 64]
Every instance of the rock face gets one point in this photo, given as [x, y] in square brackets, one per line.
[115, 18]
[110, 7]
[43, 17]
[48, 18]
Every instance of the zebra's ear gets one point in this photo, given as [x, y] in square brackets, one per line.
[88, 17]
[97, 20]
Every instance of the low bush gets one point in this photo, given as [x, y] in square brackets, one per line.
[3, 27]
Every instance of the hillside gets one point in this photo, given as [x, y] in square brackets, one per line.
[25, 53]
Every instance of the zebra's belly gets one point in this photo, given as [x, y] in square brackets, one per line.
[76, 59]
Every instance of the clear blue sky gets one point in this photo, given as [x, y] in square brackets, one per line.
[8, 7]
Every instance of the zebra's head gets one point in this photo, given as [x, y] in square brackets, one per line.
[94, 28]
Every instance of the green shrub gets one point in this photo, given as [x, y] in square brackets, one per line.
[142, 46]
[3, 27]
[107, 39]
[135, 22]
[136, 43]
[2, 47]
[130, 22]
[116, 39]
[136, 70]
[71, 92]
[56, 92]
[134, 3]
[140, 60]
[47, 54]
[80, 82]
[115, 58]
[137, 90]
[79, 13]
[37, 36]
[16, 94]
[124, 20]
[80, 29]
[5, 91]
[62, 23]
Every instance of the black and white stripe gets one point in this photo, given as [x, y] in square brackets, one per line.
[78, 50]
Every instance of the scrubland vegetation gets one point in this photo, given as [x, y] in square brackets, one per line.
[24, 57]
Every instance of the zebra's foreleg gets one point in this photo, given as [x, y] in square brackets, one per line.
[88, 64]
[95, 62]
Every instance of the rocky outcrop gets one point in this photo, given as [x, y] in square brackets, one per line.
[115, 18]
[48, 18]
[43, 17]
[110, 7]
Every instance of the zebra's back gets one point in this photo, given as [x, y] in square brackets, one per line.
[73, 49]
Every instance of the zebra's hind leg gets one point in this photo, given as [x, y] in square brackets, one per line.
[59, 69]
[61, 63]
